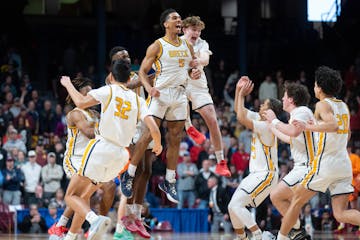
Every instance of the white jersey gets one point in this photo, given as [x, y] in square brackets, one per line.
[331, 149]
[200, 45]
[302, 147]
[264, 155]
[76, 140]
[121, 109]
[172, 64]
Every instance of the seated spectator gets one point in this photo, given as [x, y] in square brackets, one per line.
[308, 220]
[34, 222]
[202, 191]
[233, 182]
[51, 217]
[13, 179]
[14, 142]
[59, 199]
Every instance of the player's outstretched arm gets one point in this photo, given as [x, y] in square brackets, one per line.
[80, 100]
[241, 110]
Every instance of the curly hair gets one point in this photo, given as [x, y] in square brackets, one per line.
[114, 50]
[79, 83]
[329, 80]
[276, 106]
[193, 21]
[299, 93]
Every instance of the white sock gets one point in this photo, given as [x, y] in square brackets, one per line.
[187, 123]
[282, 237]
[297, 224]
[129, 209]
[257, 235]
[170, 175]
[138, 209]
[62, 221]
[91, 217]
[119, 227]
[70, 236]
[131, 170]
[241, 236]
[219, 155]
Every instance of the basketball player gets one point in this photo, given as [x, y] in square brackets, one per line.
[296, 97]
[197, 91]
[172, 58]
[263, 163]
[331, 168]
[131, 218]
[106, 155]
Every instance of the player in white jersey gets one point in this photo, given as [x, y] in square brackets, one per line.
[172, 58]
[106, 155]
[263, 166]
[81, 125]
[197, 92]
[131, 218]
[302, 147]
[331, 168]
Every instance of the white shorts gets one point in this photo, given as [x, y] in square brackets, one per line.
[296, 175]
[258, 185]
[198, 96]
[140, 128]
[171, 105]
[71, 165]
[339, 182]
[103, 160]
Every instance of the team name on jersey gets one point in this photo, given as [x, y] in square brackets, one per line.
[178, 53]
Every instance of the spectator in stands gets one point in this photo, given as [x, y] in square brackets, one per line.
[232, 182]
[218, 202]
[3, 156]
[187, 172]
[204, 153]
[59, 198]
[51, 175]
[52, 216]
[33, 118]
[37, 101]
[268, 89]
[20, 160]
[32, 173]
[308, 219]
[202, 191]
[47, 119]
[41, 158]
[13, 141]
[240, 160]
[13, 179]
[34, 222]
[245, 138]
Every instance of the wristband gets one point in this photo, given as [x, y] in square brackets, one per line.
[274, 122]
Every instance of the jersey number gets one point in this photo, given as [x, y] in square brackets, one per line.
[343, 123]
[181, 62]
[122, 107]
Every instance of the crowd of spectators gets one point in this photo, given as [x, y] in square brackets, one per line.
[33, 137]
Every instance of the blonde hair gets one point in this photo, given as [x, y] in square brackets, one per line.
[193, 21]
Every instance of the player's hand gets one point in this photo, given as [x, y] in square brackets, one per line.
[247, 88]
[299, 124]
[242, 82]
[194, 63]
[65, 81]
[195, 73]
[269, 115]
[157, 149]
[154, 92]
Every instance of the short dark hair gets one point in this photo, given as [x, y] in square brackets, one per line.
[329, 80]
[298, 92]
[165, 15]
[121, 69]
[114, 50]
[79, 83]
[276, 106]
